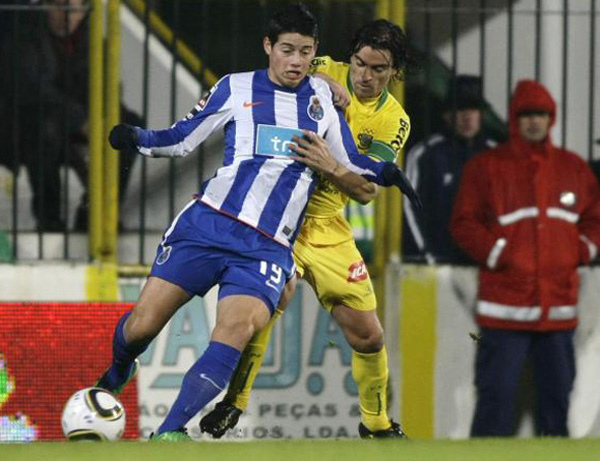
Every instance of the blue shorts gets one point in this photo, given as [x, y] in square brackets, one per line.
[203, 248]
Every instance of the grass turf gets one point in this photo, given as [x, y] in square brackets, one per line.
[312, 450]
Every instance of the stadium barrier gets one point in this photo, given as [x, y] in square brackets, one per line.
[305, 390]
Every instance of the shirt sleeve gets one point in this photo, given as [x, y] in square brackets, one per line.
[342, 147]
[210, 114]
[471, 215]
[391, 138]
[589, 222]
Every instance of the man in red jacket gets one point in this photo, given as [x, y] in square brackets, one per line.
[529, 214]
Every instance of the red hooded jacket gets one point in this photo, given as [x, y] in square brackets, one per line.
[529, 214]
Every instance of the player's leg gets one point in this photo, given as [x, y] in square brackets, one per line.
[238, 318]
[499, 362]
[173, 279]
[239, 389]
[250, 289]
[364, 334]
[340, 279]
[157, 303]
[226, 413]
[554, 373]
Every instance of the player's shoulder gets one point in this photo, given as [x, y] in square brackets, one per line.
[335, 69]
[320, 61]
[240, 78]
[321, 89]
[392, 107]
[327, 62]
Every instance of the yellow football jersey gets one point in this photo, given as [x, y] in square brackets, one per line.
[380, 128]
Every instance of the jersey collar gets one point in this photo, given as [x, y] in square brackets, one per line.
[264, 77]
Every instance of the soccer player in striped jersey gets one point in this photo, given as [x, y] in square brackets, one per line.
[281, 128]
[325, 251]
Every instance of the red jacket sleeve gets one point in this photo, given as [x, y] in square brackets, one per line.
[472, 218]
[589, 220]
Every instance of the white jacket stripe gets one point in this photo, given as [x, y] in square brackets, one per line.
[524, 313]
[569, 216]
[517, 215]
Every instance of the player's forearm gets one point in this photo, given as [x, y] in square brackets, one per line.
[162, 143]
[354, 186]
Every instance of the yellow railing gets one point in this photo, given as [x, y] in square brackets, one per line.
[96, 131]
[185, 54]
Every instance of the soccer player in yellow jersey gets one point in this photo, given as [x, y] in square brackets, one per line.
[325, 251]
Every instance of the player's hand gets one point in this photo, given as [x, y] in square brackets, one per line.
[123, 137]
[341, 96]
[313, 151]
[394, 176]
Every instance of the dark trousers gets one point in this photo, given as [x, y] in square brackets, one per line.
[499, 364]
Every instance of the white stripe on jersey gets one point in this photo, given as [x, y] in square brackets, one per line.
[260, 192]
[218, 187]
[286, 109]
[241, 87]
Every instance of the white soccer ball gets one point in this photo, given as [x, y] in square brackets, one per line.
[93, 414]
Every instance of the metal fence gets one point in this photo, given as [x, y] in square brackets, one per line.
[502, 42]
[174, 50]
[43, 124]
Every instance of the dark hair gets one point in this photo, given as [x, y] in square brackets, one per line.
[292, 18]
[382, 34]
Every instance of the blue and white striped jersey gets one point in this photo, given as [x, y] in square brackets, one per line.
[258, 183]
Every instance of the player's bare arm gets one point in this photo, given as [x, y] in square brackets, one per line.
[314, 152]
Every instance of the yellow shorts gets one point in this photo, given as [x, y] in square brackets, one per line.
[336, 271]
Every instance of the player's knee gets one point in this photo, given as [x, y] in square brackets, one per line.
[242, 328]
[141, 327]
[239, 332]
[368, 341]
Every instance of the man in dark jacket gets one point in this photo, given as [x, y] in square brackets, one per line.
[435, 166]
[46, 105]
[529, 214]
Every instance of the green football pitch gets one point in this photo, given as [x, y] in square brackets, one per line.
[311, 450]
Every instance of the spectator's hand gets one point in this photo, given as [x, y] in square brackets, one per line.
[394, 176]
[123, 137]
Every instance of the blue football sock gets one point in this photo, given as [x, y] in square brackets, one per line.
[202, 383]
[123, 355]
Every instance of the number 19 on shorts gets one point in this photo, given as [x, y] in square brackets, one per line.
[273, 272]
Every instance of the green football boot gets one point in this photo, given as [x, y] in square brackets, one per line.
[103, 381]
[171, 436]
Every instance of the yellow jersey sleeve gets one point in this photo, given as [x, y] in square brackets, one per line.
[325, 65]
[389, 134]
